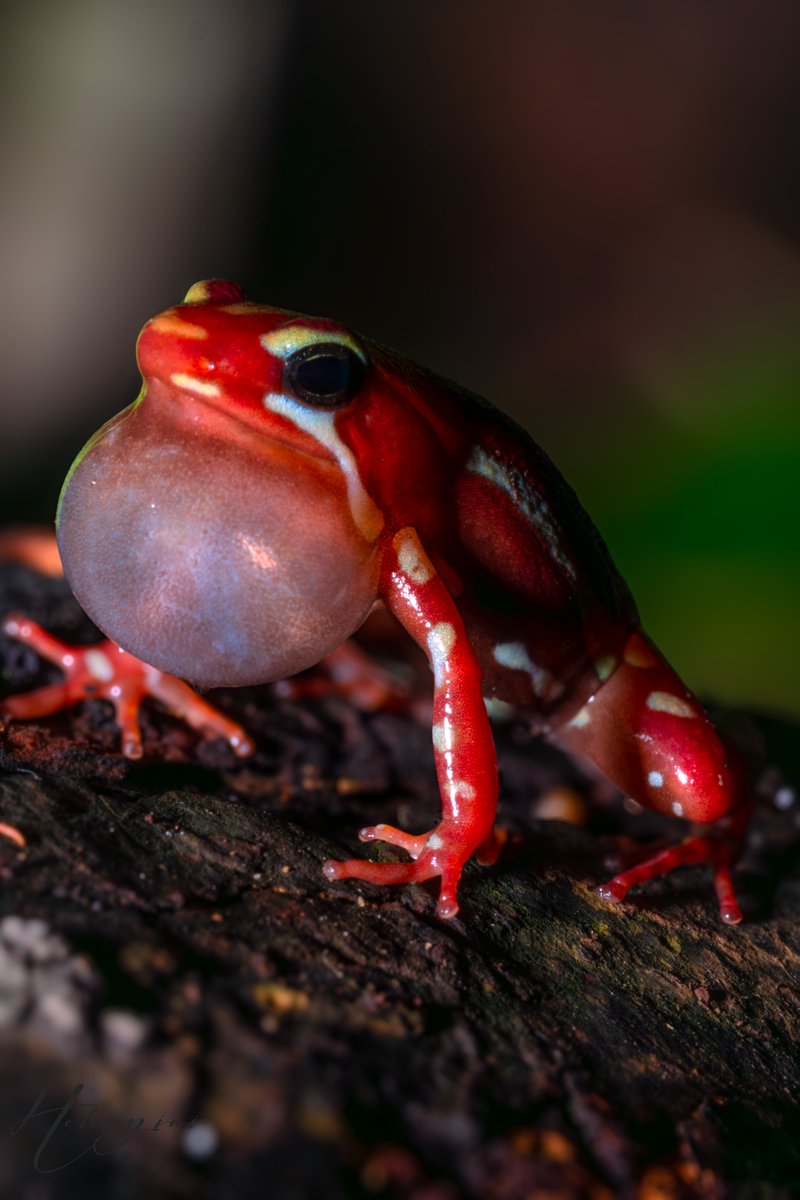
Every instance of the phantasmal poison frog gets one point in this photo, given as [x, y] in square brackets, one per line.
[278, 477]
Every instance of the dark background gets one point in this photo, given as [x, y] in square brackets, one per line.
[590, 213]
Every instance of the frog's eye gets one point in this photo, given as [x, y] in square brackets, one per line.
[326, 374]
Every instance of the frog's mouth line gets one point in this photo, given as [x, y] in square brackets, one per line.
[208, 416]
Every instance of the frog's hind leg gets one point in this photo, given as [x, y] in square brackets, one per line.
[646, 731]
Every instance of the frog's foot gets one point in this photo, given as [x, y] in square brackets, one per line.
[350, 672]
[414, 844]
[720, 850]
[106, 672]
[435, 853]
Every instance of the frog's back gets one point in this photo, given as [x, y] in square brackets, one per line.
[547, 610]
[532, 578]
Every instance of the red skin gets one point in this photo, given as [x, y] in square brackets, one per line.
[453, 518]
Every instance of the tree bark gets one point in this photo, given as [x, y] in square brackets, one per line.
[169, 942]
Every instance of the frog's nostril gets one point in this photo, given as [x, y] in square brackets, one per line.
[214, 291]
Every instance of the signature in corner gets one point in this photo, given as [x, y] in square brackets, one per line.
[82, 1116]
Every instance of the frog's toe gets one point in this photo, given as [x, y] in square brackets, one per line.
[378, 873]
[412, 843]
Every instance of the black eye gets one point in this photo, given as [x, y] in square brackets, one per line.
[325, 375]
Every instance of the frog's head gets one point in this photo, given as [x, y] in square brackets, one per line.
[218, 528]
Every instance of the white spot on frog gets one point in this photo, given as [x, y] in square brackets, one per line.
[525, 497]
[677, 808]
[441, 640]
[435, 842]
[514, 655]
[171, 325]
[605, 666]
[582, 718]
[200, 387]
[100, 666]
[459, 789]
[666, 702]
[414, 563]
[655, 779]
[287, 340]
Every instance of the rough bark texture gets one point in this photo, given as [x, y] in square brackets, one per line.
[168, 940]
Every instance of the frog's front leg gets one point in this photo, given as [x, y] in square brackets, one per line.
[107, 672]
[466, 764]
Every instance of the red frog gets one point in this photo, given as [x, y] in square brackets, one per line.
[278, 477]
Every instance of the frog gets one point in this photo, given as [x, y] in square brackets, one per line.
[279, 478]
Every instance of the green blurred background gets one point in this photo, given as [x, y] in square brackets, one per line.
[591, 214]
[706, 527]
